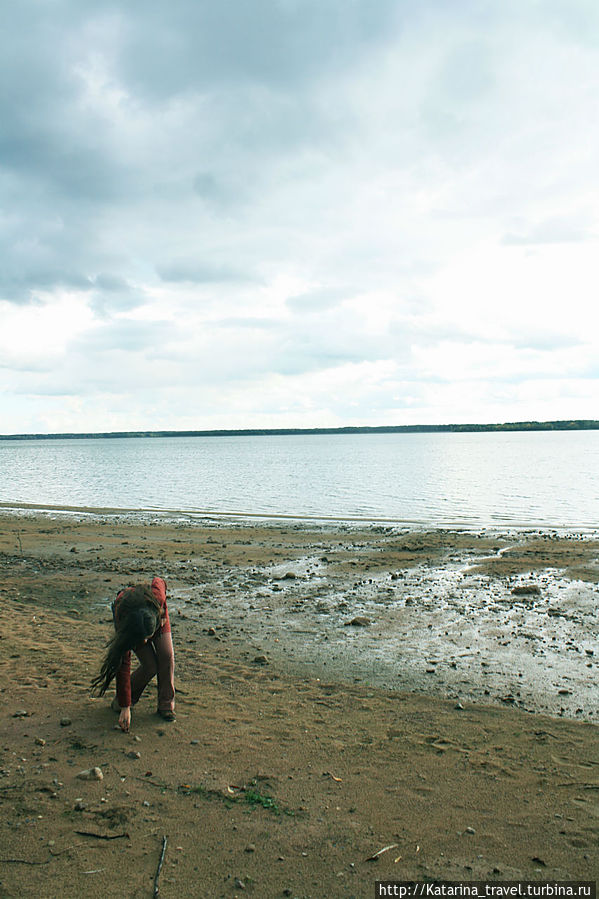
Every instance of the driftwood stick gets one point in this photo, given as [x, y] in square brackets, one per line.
[102, 836]
[159, 868]
[23, 861]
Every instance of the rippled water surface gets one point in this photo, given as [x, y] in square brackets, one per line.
[478, 479]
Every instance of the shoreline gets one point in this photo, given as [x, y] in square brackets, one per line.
[200, 517]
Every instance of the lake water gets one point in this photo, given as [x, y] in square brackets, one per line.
[548, 479]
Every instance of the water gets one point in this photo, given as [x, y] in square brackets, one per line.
[546, 479]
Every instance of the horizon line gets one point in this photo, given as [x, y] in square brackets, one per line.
[554, 425]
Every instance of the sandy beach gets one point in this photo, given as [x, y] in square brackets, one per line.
[341, 689]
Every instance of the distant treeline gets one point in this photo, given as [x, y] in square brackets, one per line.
[573, 425]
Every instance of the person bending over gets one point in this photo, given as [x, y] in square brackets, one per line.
[141, 624]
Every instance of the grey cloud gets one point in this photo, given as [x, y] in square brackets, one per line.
[22, 286]
[111, 282]
[197, 272]
[113, 293]
[168, 50]
[219, 194]
[125, 336]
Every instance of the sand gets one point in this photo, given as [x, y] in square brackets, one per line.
[453, 720]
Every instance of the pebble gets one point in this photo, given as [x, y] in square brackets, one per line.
[64, 722]
[195, 742]
[526, 590]
[359, 621]
[91, 774]
[21, 713]
[250, 847]
[133, 754]
[39, 741]
[79, 805]
[260, 660]
[470, 830]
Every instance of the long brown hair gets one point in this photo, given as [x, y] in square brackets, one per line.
[138, 616]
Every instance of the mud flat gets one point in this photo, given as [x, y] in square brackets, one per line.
[341, 689]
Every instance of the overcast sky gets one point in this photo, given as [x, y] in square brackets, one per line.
[297, 213]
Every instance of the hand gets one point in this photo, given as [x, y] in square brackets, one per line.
[125, 719]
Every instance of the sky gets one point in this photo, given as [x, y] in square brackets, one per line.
[297, 213]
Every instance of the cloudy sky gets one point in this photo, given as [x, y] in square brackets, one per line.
[297, 213]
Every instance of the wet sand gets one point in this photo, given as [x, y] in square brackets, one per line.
[369, 685]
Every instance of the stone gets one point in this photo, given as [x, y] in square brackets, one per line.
[91, 774]
[526, 590]
[358, 621]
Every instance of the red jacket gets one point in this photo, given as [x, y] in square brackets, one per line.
[123, 676]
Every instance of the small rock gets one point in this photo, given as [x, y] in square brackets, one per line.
[91, 774]
[211, 632]
[459, 707]
[21, 713]
[133, 754]
[64, 722]
[240, 885]
[39, 741]
[79, 805]
[250, 848]
[526, 590]
[470, 830]
[146, 803]
[260, 660]
[359, 621]
[195, 742]
[136, 739]
[73, 549]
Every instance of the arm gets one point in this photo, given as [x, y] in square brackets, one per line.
[123, 682]
[159, 591]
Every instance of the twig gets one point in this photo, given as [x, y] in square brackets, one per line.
[580, 783]
[102, 836]
[23, 861]
[374, 858]
[159, 868]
